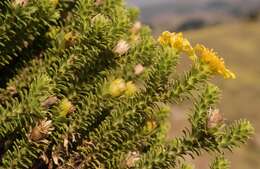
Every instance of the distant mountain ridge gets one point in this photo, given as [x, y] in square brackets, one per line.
[187, 6]
[172, 14]
[147, 3]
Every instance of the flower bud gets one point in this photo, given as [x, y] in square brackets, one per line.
[150, 125]
[66, 107]
[117, 87]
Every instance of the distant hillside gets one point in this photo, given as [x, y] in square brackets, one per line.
[172, 14]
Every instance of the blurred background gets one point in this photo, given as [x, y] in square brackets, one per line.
[232, 28]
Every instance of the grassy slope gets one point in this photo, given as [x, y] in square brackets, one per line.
[239, 45]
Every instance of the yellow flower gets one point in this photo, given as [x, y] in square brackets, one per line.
[177, 41]
[165, 38]
[117, 87]
[131, 88]
[215, 62]
[187, 48]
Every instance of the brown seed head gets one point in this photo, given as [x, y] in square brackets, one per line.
[42, 129]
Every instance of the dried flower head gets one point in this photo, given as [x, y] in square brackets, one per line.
[215, 62]
[117, 87]
[215, 118]
[121, 48]
[49, 102]
[42, 129]
[136, 27]
[131, 159]
[139, 69]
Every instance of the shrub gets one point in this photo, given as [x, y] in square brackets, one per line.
[84, 85]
